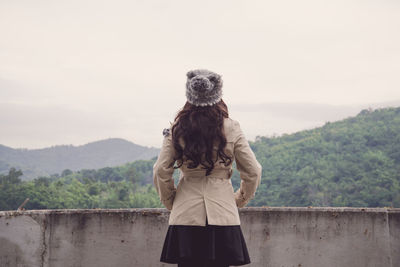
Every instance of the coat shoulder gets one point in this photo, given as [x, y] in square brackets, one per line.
[231, 129]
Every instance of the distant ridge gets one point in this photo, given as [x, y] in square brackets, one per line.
[94, 155]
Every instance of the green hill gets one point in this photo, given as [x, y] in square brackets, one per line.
[352, 162]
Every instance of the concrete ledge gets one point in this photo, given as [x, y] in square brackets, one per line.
[276, 236]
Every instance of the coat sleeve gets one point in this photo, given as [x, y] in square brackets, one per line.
[248, 167]
[162, 173]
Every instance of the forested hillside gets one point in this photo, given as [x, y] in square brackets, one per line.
[353, 162]
[129, 185]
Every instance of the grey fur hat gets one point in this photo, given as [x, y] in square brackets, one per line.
[203, 87]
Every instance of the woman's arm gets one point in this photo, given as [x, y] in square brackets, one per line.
[163, 170]
[248, 167]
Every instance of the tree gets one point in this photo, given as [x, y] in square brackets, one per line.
[12, 177]
[66, 172]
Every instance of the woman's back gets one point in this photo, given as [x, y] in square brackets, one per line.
[198, 195]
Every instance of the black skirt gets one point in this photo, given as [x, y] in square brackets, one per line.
[210, 243]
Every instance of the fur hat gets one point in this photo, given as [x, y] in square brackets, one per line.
[203, 87]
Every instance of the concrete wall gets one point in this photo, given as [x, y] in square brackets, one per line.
[277, 237]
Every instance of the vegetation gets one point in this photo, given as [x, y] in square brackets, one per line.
[354, 162]
[127, 186]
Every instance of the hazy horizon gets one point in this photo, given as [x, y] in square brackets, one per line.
[310, 118]
[74, 72]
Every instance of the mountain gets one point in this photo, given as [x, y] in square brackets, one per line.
[46, 161]
[352, 162]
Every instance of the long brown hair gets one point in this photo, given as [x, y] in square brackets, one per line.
[200, 129]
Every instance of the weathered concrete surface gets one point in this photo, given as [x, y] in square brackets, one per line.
[276, 237]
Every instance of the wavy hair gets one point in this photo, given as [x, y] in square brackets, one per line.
[200, 128]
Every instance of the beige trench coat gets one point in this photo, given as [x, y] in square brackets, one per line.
[196, 195]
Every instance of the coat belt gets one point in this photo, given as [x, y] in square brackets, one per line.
[218, 173]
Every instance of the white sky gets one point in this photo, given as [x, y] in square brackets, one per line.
[73, 72]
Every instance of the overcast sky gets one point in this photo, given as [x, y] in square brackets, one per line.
[73, 72]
